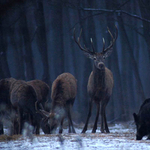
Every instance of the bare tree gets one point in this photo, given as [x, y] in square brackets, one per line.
[27, 43]
[41, 39]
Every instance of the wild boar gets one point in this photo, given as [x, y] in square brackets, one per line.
[142, 120]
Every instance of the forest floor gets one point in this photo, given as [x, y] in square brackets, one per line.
[121, 137]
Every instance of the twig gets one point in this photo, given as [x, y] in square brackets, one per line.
[116, 11]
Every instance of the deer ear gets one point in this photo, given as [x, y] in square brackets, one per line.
[107, 53]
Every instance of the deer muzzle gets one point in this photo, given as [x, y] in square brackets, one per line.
[101, 66]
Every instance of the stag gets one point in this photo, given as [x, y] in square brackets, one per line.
[100, 82]
[64, 89]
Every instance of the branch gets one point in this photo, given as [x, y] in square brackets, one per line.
[116, 11]
[144, 4]
[134, 28]
[85, 19]
[136, 16]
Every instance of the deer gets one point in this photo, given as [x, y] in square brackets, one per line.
[23, 98]
[6, 110]
[64, 89]
[20, 95]
[42, 90]
[100, 82]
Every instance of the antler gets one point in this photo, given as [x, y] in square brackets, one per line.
[84, 49]
[113, 40]
[41, 111]
[93, 51]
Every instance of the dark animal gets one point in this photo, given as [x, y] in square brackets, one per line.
[142, 120]
[41, 89]
[23, 98]
[42, 92]
[64, 90]
[100, 83]
[5, 104]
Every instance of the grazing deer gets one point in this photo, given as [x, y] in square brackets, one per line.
[42, 91]
[5, 104]
[23, 98]
[100, 82]
[64, 89]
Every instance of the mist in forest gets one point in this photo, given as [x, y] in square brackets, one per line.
[36, 42]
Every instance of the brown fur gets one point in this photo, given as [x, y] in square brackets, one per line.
[23, 98]
[100, 85]
[109, 83]
[100, 82]
[41, 88]
[5, 87]
[5, 104]
[64, 89]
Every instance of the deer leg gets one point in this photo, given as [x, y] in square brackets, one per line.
[69, 130]
[70, 120]
[105, 123]
[61, 125]
[105, 120]
[16, 122]
[88, 117]
[103, 116]
[20, 114]
[67, 110]
[1, 128]
[37, 128]
[96, 119]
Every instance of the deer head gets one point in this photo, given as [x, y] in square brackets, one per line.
[99, 58]
[50, 119]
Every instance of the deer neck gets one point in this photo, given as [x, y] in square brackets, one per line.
[58, 102]
[99, 77]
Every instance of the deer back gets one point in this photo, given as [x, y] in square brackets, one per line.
[64, 88]
[22, 94]
[41, 89]
[5, 86]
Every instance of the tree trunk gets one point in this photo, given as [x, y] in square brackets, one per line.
[57, 41]
[18, 69]
[133, 62]
[28, 48]
[41, 39]
[3, 51]
[145, 11]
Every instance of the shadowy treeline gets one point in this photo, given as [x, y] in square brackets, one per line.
[36, 42]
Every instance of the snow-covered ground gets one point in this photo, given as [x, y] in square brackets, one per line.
[121, 137]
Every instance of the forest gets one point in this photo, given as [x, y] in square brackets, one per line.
[36, 42]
